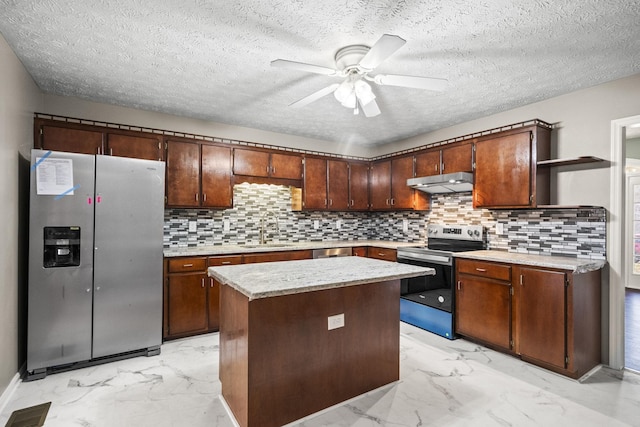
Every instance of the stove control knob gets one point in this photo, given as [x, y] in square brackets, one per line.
[476, 233]
[470, 233]
[440, 299]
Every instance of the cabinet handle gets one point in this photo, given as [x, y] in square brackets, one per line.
[521, 280]
[204, 197]
[442, 168]
[273, 169]
[226, 262]
[211, 281]
[197, 197]
[393, 201]
[203, 282]
[330, 202]
[325, 202]
[380, 254]
[352, 202]
[481, 270]
[268, 169]
[436, 167]
[111, 151]
[459, 285]
[187, 265]
[387, 201]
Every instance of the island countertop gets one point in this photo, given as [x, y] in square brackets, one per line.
[289, 277]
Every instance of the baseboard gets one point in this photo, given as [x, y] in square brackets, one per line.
[8, 392]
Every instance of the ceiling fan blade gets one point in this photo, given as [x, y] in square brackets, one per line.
[428, 83]
[384, 48]
[283, 63]
[370, 109]
[314, 96]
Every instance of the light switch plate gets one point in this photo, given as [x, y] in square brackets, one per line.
[499, 228]
[405, 225]
[316, 224]
[193, 226]
[335, 322]
[338, 224]
[225, 225]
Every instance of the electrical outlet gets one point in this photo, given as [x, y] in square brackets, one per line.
[338, 224]
[335, 322]
[405, 225]
[225, 225]
[193, 226]
[499, 228]
[316, 224]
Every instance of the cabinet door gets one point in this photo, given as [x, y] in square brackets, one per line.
[503, 171]
[187, 305]
[287, 166]
[428, 163]
[70, 140]
[359, 251]
[217, 191]
[483, 310]
[315, 183]
[183, 174]
[251, 162]
[458, 158]
[380, 189]
[338, 185]
[138, 147]
[540, 323]
[402, 196]
[358, 186]
[213, 305]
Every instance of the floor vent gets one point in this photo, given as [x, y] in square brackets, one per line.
[33, 416]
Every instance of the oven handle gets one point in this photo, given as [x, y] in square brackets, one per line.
[436, 259]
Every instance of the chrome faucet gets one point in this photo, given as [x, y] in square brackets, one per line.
[263, 220]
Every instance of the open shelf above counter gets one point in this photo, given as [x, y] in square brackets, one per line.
[570, 161]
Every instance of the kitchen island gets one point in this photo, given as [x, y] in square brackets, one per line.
[297, 337]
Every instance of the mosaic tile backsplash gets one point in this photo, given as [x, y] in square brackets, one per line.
[569, 232]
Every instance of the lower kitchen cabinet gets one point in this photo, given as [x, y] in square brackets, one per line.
[483, 302]
[382, 253]
[277, 256]
[359, 251]
[185, 297]
[549, 317]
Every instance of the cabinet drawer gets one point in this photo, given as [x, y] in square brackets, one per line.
[382, 253]
[179, 265]
[225, 260]
[484, 269]
[359, 251]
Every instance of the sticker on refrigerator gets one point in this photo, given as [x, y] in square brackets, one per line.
[54, 176]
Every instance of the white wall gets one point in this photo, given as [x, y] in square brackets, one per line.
[19, 98]
[79, 108]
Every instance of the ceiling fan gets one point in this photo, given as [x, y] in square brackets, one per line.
[354, 63]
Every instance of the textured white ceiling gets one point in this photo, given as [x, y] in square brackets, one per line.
[210, 59]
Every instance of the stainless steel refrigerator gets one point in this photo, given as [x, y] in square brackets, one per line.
[95, 259]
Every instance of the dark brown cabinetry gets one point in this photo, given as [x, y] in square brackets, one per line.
[451, 159]
[382, 253]
[506, 174]
[549, 317]
[86, 139]
[185, 297]
[277, 256]
[198, 175]
[326, 184]
[483, 302]
[358, 186]
[389, 188]
[262, 163]
[359, 251]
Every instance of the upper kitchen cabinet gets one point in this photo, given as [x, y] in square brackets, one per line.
[389, 188]
[86, 139]
[506, 174]
[449, 159]
[141, 146]
[358, 186]
[266, 164]
[198, 175]
[326, 184]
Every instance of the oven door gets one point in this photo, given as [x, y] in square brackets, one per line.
[434, 291]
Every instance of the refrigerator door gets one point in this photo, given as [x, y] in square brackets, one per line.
[128, 255]
[60, 280]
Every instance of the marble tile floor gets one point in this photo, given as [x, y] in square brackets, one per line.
[443, 383]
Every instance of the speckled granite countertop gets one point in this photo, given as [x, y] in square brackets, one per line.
[265, 280]
[576, 265]
[282, 246]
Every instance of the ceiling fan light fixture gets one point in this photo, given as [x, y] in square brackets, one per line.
[343, 91]
[350, 101]
[363, 92]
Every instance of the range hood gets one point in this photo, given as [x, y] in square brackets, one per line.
[458, 182]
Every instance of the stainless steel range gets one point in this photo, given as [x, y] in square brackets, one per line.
[429, 301]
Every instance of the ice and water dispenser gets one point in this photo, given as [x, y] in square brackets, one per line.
[61, 246]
